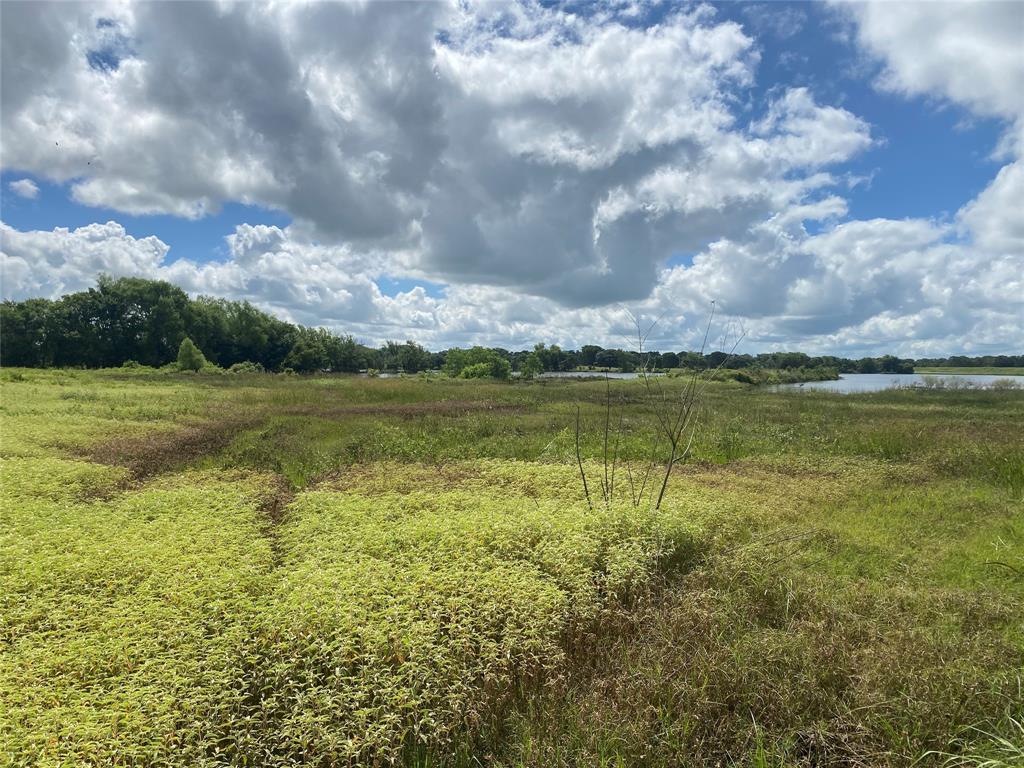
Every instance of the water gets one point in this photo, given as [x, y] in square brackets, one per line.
[875, 382]
[848, 382]
[591, 375]
[548, 375]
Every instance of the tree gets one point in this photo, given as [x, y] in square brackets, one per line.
[691, 360]
[190, 358]
[457, 360]
[307, 354]
[26, 333]
[614, 358]
[553, 358]
[344, 354]
[588, 353]
[409, 357]
[497, 368]
[532, 366]
[715, 359]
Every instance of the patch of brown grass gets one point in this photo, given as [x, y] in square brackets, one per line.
[448, 408]
[167, 450]
[745, 657]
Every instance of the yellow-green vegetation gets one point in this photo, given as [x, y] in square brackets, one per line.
[276, 570]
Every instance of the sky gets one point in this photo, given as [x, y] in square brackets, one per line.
[838, 178]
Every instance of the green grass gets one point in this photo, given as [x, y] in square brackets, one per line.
[267, 570]
[991, 370]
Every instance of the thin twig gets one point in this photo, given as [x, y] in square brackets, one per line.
[579, 460]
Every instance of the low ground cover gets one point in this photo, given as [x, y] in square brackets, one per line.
[264, 570]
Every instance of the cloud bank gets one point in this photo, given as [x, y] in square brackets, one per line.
[547, 166]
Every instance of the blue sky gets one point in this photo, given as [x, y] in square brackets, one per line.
[783, 159]
[932, 157]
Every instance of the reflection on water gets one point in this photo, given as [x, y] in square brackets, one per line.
[874, 382]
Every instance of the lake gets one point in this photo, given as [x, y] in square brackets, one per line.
[875, 382]
[592, 375]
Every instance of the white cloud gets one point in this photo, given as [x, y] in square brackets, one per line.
[996, 216]
[967, 52]
[24, 188]
[878, 285]
[544, 165]
[518, 146]
[63, 261]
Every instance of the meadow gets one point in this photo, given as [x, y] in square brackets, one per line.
[271, 570]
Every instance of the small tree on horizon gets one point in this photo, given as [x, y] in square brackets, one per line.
[532, 366]
[190, 357]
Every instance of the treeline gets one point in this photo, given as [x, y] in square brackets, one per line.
[598, 358]
[959, 361]
[144, 322]
[132, 320]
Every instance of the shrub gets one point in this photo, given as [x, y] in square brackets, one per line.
[498, 368]
[190, 358]
[246, 367]
[459, 360]
[476, 371]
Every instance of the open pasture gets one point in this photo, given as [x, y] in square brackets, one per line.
[336, 571]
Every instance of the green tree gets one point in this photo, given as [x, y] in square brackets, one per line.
[456, 360]
[190, 358]
[588, 353]
[532, 366]
[26, 333]
[716, 359]
[409, 357]
[345, 354]
[307, 354]
[497, 368]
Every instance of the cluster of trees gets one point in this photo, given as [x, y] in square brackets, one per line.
[791, 360]
[554, 358]
[959, 361]
[477, 363]
[145, 322]
[139, 320]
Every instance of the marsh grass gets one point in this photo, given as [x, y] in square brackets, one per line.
[405, 571]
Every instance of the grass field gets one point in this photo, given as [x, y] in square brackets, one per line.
[272, 570]
[991, 371]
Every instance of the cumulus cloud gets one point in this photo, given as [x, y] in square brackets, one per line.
[63, 261]
[516, 146]
[868, 285]
[24, 188]
[546, 165]
[995, 217]
[967, 52]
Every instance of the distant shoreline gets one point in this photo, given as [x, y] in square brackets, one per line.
[966, 370]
